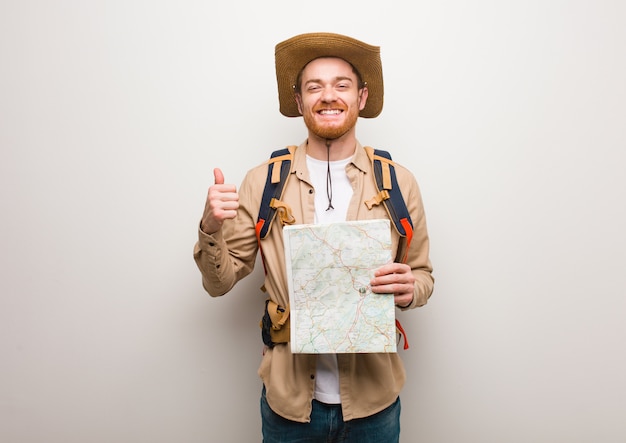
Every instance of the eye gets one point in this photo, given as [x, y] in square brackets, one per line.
[313, 88]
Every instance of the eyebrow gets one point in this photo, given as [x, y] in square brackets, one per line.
[336, 79]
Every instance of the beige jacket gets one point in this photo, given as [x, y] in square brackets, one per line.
[368, 382]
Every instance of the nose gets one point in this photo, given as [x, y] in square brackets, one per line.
[329, 94]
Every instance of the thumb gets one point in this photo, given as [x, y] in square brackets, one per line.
[219, 176]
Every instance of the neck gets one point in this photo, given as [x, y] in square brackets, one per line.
[333, 150]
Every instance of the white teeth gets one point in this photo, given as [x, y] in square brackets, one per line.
[330, 111]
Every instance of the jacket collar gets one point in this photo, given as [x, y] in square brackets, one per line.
[359, 159]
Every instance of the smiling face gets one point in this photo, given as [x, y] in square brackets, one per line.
[330, 97]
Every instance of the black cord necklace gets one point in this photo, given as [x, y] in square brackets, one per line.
[329, 179]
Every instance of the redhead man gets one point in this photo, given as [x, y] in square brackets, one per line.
[330, 80]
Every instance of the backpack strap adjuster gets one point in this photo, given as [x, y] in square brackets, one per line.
[377, 199]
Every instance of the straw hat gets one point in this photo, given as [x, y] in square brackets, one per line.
[293, 54]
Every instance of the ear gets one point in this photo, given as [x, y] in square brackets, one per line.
[363, 98]
[298, 99]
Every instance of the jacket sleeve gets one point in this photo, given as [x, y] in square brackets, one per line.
[418, 256]
[228, 255]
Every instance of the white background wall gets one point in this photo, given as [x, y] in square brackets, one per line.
[113, 114]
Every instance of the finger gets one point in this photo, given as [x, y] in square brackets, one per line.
[393, 287]
[397, 289]
[219, 176]
[392, 268]
[389, 268]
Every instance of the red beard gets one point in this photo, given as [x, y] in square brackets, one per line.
[331, 130]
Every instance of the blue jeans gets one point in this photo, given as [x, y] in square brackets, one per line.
[327, 426]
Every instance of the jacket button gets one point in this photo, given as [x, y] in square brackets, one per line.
[312, 376]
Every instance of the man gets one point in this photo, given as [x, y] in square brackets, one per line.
[330, 80]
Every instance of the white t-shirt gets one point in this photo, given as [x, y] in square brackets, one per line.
[327, 371]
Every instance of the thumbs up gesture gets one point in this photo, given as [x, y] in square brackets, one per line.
[222, 203]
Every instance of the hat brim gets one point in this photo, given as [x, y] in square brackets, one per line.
[295, 53]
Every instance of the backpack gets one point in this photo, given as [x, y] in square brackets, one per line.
[279, 169]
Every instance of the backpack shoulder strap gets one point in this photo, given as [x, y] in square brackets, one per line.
[389, 191]
[278, 169]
